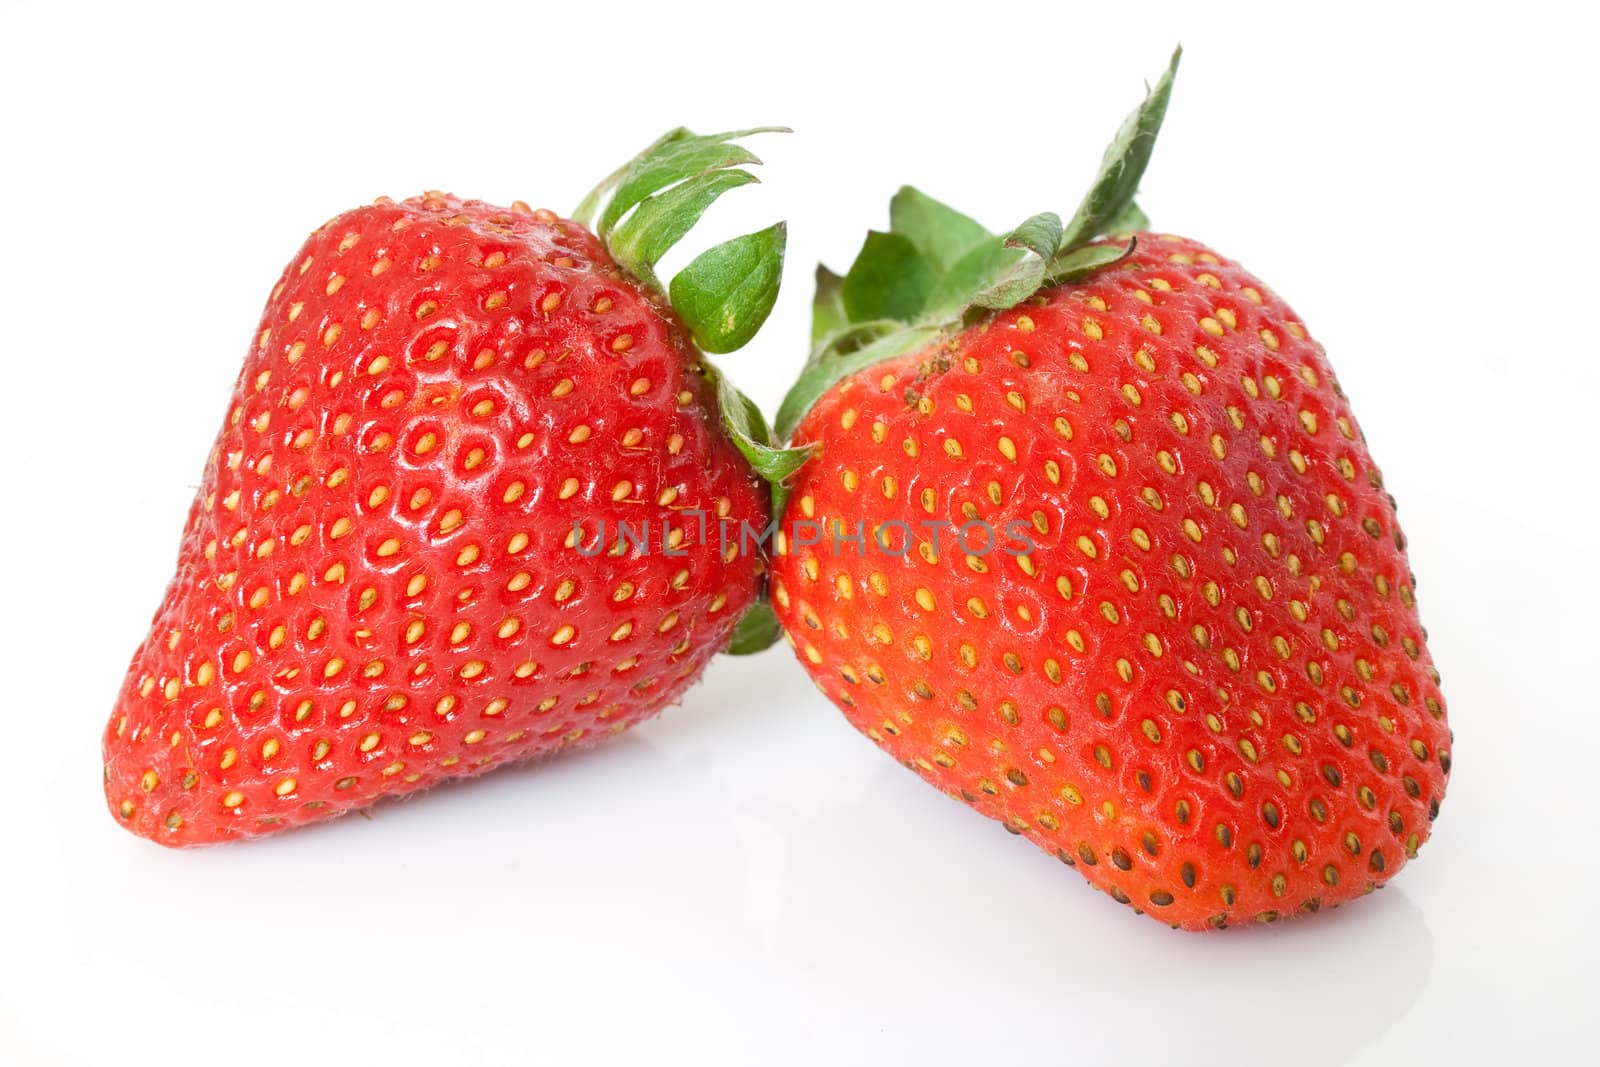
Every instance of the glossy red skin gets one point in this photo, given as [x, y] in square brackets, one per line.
[1096, 766]
[488, 328]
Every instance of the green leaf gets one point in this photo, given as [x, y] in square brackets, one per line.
[974, 274]
[941, 233]
[1040, 235]
[672, 161]
[1032, 245]
[747, 427]
[829, 367]
[727, 292]
[1131, 220]
[1078, 264]
[999, 272]
[827, 307]
[890, 279]
[1010, 281]
[935, 266]
[585, 211]
[647, 205]
[758, 629]
[1123, 165]
[660, 221]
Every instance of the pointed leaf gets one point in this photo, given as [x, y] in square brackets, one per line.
[1123, 165]
[827, 307]
[1078, 264]
[584, 213]
[727, 292]
[970, 276]
[999, 273]
[661, 220]
[890, 279]
[941, 233]
[1040, 234]
[747, 427]
[758, 629]
[1012, 282]
[672, 161]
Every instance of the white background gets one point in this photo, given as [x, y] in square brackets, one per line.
[746, 880]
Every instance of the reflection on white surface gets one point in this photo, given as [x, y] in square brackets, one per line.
[993, 940]
[1006, 924]
[728, 874]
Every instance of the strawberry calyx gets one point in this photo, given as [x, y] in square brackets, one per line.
[643, 208]
[937, 271]
[725, 294]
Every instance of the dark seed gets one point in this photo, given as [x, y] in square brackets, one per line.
[1086, 854]
[1187, 873]
[1121, 859]
[1331, 773]
[1161, 898]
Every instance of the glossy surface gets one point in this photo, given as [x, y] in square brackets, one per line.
[1130, 584]
[406, 561]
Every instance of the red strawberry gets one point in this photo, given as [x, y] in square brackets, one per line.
[1190, 666]
[380, 585]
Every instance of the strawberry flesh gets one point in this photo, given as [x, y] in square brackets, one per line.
[377, 587]
[1206, 686]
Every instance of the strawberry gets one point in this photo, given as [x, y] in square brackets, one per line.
[1094, 543]
[402, 565]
